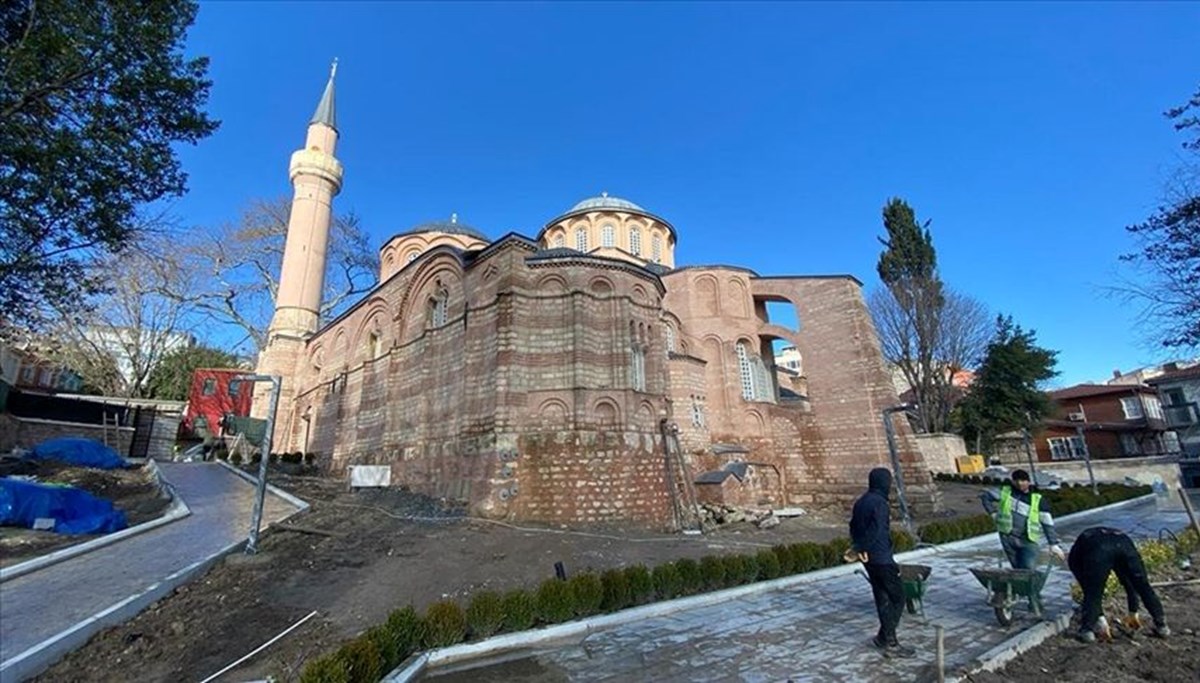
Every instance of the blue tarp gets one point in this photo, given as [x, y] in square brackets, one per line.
[73, 510]
[77, 451]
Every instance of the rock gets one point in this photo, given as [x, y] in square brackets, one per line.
[769, 522]
[177, 628]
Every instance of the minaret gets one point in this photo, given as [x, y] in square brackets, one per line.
[316, 176]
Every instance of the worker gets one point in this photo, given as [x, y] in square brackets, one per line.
[871, 544]
[1022, 519]
[1098, 551]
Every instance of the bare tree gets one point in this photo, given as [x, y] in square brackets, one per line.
[115, 339]
[235, 275]
[930, 355]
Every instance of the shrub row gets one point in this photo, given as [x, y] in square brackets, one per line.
[382, 648]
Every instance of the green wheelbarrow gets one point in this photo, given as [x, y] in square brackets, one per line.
[1006, 587]
[912, 580]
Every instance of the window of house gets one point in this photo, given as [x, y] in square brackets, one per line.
[608, 236]
[1066, 448]
[746, 371]
[1130, 445]
[1171, 442]
[656, 248]
[235, 388]
[1174, 397]
[670, 339]
[210, 387]
[559, 241]
[581, 239]
[1154, 408]
[635, 241]
[1132, 405]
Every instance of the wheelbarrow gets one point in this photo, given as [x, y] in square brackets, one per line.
[912, 579]
[1005, 588]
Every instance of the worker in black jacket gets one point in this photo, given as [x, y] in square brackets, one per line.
[871, 544]
[1102, 550]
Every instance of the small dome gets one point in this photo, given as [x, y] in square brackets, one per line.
[450, 227]
[604, 201]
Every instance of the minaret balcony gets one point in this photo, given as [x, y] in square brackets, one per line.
[316, 163]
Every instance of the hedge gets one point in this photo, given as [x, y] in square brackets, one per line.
[382, 648]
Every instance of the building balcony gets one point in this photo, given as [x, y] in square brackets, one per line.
[1182, 416]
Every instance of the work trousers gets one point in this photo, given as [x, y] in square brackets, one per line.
[1022, 553]
[889, 598]
[1096, 553]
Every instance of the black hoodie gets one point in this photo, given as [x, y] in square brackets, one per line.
[870, 529]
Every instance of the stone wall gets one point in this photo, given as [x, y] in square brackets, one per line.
[940, 450]
[28, 432]
[1151, 470]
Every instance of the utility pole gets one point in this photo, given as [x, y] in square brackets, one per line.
[890, 431]
[265, 455]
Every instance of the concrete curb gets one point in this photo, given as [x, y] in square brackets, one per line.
[177, 510]
[522, 639]
[43, 655]
[270, 487]
[1002, 654]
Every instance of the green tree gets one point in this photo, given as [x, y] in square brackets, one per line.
[171, 378]
[1006, 393]
[1168, 246]
[93, 97]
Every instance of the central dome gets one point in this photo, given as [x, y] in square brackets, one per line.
[604, 201]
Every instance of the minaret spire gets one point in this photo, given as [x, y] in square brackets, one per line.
[326, 112]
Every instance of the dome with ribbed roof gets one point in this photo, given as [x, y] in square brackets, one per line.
[450, 227]
[604, 201]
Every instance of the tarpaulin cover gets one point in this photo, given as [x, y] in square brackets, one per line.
[73, 510]
[78, 451]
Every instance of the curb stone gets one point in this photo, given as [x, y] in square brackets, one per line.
[177, 510]
[415, 666]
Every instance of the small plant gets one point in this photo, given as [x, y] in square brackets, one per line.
[690, 582]
[641, 585]
[310, 459]
[328, 669]
[834, 551]
[445, 624]
[667, 584]
[786, 558]
[768, 564]
[520, 610]
[385, 642]
[735, 569]
[555, 603]
[616, 590]
[407, 629]
[485, 613]
[749, 569]
[588, 594]
[712, 572]
[292, 458]
[362, 660]
[273, 459]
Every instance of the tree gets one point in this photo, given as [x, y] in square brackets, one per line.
[116, 337]
[171, 378]
[1006, 393]
[926, 331]
[236, 275]
[1168, 247]
[93, 97]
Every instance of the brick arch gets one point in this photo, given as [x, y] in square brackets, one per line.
[606, 412]
[601, 285]
[739, 298]
[444, 270]
[552, 284]
[715, 369]
[553, 410]
[640, 295]
[341, 350]
[708, 295]
[757, 422]
[375, 316]
[645, 412]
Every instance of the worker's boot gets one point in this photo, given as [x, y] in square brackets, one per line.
[1160, 630]
[1086, 636]
[894, 648]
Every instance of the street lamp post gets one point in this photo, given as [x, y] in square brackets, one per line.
[265, 455]
[890, 431]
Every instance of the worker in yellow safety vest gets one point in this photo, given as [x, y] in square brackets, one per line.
[1022, 520]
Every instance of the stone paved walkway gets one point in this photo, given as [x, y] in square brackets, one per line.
[818, 631]
[48, 601]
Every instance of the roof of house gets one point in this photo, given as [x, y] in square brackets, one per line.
[1176, 375]
[1085, 390]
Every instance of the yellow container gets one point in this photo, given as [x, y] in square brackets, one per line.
[970, 464]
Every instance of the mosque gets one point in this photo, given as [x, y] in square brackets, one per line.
[577, 376]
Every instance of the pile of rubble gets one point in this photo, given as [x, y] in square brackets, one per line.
[718, 515]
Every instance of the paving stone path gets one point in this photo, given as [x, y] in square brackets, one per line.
[819, 631]
[46, 602]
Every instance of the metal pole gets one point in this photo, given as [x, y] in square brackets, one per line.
[264, 456]
[1087, 458]
[891, 441]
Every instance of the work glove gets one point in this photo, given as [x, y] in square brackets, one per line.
[1057, 552]
[1133, 622]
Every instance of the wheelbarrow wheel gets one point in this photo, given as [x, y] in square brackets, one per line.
[1004, 614]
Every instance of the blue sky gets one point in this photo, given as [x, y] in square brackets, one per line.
[769, 134]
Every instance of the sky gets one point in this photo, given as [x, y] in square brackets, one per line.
[769, 134]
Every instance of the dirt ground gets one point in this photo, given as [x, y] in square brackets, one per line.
[374, 562]
[133, 491]
[1130, 656]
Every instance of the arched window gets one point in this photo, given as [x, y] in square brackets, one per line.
[638, 371]
[374, 346]
[656, 248]
[412, 256]
[635, 241]
[581, 239]
[670, 339]
[746, 370]
[439, 307]
[608, 236]
[559, 241]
